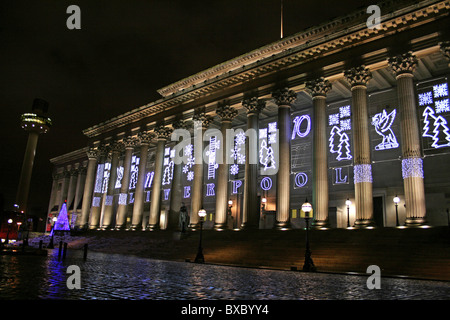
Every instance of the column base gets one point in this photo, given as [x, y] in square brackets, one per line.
[119, 227]
[364, 224]
[320, 224]
[151, 227]
[248, 226]
[94, 227]
[415, 222]
[283, 225]
[220, 226]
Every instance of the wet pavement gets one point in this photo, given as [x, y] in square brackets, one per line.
[113, 276]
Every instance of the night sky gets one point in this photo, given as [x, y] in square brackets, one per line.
[124, 52]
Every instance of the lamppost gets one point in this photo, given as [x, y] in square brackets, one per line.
[199, 258]
[309, 264]
[50, 245]
[10, 221]
[348, 203]
[396, 201]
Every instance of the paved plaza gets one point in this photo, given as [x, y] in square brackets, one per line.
[113, 276]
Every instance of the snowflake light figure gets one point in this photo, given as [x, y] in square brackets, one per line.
[185, 169]
[346, 125]
[190, 176]
[273, 138]
[425, 98]
[442, 106]
[272, 127]
[234, 169]
[440, 90]
[333, 119]
[262, 133]
[240, 138]
[241, 158]
[345, 111]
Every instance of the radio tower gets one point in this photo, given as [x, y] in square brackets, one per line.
[34, 123]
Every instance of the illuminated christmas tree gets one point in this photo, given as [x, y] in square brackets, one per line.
[62, 222]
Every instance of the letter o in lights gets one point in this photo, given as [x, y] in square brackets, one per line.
[266, 183]
[301, 179]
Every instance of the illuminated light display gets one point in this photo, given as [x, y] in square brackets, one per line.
[214, 144]
[210, 190]
[440, 133]
[123, 198]
[425, 98]
[187, 192]
[234, 169]
[118, 183]
[147, 199]
[106, 174]
[442, 106]
[131, 198]
[134, 172]
[190, 161]
[343, 145]
[412, 167]
[96, 202]
[338, 178]
[345, 111]
[362, 173]
[168, 167]
[301, 179]
[440, 90]
[266, 156]
[266, 183]
[298, 120]
[99, 178]
[62, 222]
[166, 194]
[236, 184]
[382, 122]
[149, 179]
[333, 119]
[109, 200]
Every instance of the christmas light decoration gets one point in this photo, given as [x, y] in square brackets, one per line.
[382, 122]
[214, 144]
[266, 183]
[362, 173]
[301, 179]
[235, 186]
[412, 167]
[149, 179]
[123, 198]
[440, 133]
[62, 222]
[187, 192]
[210, 190]
[343, 145]
[339, 179]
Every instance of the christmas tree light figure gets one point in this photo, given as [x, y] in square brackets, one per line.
[344, 148]
[62, 222]
[440, 133]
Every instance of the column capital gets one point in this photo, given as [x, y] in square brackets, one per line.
[318, 87]
[284, 96]
[162, 132]
[145, 137]
[66, 174]
[180, 124]
[358, 76]
[92, 154]
[445, 48]
[74, 172]
[253, 105]
[201, 116]
[117, 146]
[403, 64]
[225, 111]
[129, 142]
[82, 170]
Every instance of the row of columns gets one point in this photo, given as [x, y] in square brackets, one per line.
[358, 78]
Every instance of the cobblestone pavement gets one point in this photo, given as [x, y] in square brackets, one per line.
[113, 276]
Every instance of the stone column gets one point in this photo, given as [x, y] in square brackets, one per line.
[358, 78]
[201, 123]
[176, 192]
[412, 167]
[318, 89]
[72, 187]
[94, 222]
[283, 98]
[144, 139]
[121, 215]
[162, 134]
[80, 186]
[107, 220]
[226, 113]
[251, 205]
[88, 188]
[64, 188]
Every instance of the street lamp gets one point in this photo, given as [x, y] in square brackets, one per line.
[348, 203]
[199, 258]
[396, 201]
[230, 205]
[309, 264]
[10, 221]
